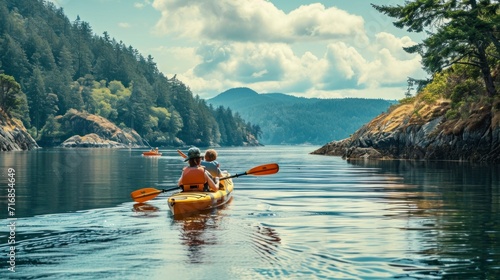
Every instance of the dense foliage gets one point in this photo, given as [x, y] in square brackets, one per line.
[60, 65]
[11, 96]
[462, 87]
[286, 119]
[462, 52]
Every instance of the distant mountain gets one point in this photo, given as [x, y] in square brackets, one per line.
[286, 119]
[242, 97]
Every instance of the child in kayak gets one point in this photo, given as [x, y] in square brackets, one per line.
[210, 163]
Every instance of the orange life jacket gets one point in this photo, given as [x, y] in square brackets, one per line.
[193, 179]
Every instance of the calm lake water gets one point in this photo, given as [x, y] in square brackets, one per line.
[318, 218]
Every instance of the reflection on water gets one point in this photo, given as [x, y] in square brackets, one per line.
[145, 208]
[199, 231]
[195, 237]
[63, 180]
[452, 212]
[318, 218]
[266, 241]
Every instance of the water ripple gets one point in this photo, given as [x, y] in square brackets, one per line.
[318, 218]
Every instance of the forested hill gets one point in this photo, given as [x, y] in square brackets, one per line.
[295, 120]
[51, 65]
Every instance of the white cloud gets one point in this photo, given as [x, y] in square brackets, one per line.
[141, 5]
[263, 67]
[256, 21]
[248, 62]
[124, 24]
[267, 67]
[345, 61]
[393, 44]
[385, 64]
[252, 43]
[317, 22]
[181, 59]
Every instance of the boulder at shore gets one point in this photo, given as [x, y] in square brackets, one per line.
[92, 131]
[424, 133]
[91, 140]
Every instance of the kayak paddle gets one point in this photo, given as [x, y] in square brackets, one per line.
[182, 154]
[146, 194]
[265, 169]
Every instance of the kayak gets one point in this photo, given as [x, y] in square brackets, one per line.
[151, 154]
[192, 202]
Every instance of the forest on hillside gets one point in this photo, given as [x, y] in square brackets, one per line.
[287, 119]
[49, 65]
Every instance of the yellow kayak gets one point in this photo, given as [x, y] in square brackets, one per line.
[192, 202]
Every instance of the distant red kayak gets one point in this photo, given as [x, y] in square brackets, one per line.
[151, 154]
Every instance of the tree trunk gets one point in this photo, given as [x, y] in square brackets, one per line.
[483, 59]
[485, 70]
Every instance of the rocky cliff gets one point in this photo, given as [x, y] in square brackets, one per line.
[417, 131]
[13, 135]
[82, 129]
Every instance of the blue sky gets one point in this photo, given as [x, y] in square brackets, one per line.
[326, 49]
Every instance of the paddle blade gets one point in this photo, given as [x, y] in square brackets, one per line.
[145, 194]
[182, 154]
[265, 169]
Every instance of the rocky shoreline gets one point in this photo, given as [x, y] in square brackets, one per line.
[81, 130]
[98, 133]
[14, 136]
[424, 133]
[92, 141]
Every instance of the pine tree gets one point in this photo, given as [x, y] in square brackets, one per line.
[459, 32]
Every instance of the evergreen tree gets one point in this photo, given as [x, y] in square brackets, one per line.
[83, 34]
[13, 58]
[41, 103]
[459, 32]
[10, 92]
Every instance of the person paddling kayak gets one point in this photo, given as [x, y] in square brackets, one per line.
[194, 177]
